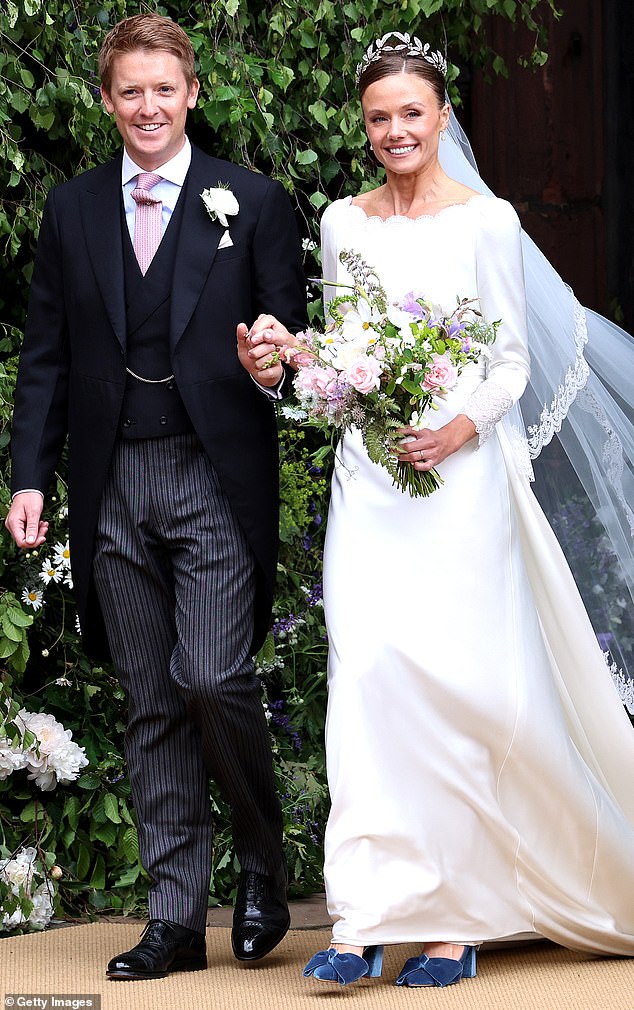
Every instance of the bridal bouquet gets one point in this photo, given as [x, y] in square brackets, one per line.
[380, 366]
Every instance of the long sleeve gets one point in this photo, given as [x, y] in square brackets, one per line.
[279, 284]
[330, 266]
[500, 280]
[40, 411]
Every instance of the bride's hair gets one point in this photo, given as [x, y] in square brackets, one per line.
[391, 63]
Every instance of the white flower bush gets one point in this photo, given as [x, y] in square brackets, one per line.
[27, 892]
[37, 742]
[12, 759]
[51, 756]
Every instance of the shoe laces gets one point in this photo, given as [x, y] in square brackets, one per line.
[254, 888]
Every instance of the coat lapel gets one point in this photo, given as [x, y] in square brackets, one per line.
[101, 215]
[197, 245]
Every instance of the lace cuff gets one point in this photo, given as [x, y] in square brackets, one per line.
[486, 406]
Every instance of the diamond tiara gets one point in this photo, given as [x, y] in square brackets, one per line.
[407, 44]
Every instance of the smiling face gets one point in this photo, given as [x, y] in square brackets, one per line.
[149, 98]
[404, 120]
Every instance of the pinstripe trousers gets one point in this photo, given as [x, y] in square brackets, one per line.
[175, 580]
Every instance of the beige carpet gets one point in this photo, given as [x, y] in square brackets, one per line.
[537, 977]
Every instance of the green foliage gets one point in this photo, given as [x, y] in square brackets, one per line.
[277, 94]
[14, 646]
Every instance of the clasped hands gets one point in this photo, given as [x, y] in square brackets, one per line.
[261, 350]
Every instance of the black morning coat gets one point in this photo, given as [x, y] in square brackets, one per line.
[72, 376]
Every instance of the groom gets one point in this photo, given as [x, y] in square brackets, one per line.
[130, 351]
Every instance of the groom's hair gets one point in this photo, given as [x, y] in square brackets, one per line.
[150, 32]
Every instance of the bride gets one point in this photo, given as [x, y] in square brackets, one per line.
[478, 790]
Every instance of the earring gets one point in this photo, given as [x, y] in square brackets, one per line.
[442, 135]
[369, 150]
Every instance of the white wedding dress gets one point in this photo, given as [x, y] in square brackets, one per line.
[479, 759]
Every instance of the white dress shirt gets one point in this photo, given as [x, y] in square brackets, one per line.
[172, 173]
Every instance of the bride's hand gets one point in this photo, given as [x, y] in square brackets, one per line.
[427, 448]
[268, 330]
[258, 357]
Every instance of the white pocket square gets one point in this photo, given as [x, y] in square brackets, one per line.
[225, 241]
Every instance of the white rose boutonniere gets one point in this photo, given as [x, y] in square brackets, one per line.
[220, 203]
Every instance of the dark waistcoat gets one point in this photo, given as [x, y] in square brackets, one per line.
[155, 409]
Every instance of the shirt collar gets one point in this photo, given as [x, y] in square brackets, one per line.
[173, 170]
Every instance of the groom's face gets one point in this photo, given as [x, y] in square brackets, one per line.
[149, 97]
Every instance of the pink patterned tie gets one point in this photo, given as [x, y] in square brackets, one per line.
[147, 219]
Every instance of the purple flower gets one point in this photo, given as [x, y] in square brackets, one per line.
[283, 722]
[455, 328]
[411, 304]
[315, 596]
[283, 626]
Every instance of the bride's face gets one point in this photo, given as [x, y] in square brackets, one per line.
[403, 121]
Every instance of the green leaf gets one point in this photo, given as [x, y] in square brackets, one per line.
[318, 112]
[98, 813]
[83, 862]
[13, 13]
[111, 808]
[7, 647]
[131, 845]
[20, 101]
[322, 79]
[88, 782]
[98, 877]
[226, 93]
[306, 157]
[281, 76]
[29, 812]
[267, 651]
[231, 7]
[225, 859]
[106, 833]
[72, 807]
[318, 200]
[19, 618]
[9, 629]
[128, 877]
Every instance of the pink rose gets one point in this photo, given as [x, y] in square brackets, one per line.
[315, 380]
[442, 374]
[364, 374]
[298, 357]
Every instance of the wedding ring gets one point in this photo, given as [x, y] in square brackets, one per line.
[421, 458]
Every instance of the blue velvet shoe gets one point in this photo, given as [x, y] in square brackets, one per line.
[331, 966]
[438, 971]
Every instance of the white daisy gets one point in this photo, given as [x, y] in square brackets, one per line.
[61, 557]
[32, 597]
[50, 573]
[358, 323]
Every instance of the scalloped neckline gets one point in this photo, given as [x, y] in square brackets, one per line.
[421, 217]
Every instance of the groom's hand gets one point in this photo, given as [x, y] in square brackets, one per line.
[24, 521]
[256, 350]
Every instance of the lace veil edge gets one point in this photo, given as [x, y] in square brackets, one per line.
[581, 391]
